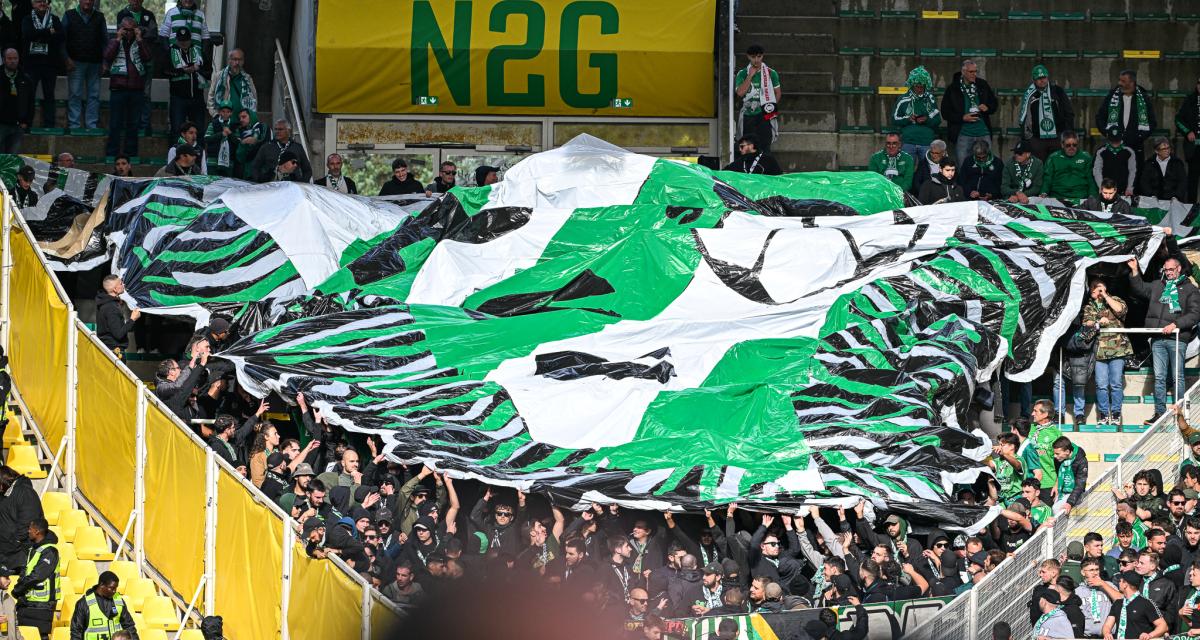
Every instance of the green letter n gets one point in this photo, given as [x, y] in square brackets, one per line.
[455, 64]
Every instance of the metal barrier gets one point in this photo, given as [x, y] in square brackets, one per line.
[1004, 594]
[283, 99]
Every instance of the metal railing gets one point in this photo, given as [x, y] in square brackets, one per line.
[283, 99]
[1004, 594]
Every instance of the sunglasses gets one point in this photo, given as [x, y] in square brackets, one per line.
[449, 173]
[1070, 146]
[940, 544]
[1177, 503]
[503, 514]
[640, 600]
[771, 544]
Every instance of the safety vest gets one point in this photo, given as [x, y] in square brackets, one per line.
[47, 590]
[99, 625]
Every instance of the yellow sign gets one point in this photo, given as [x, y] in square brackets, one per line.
[893, 91]
[939, 15]
[1142, 53]
[516, 57]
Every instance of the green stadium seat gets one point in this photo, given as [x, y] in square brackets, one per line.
[1151, 16]
[856, 90]
[938, 53]
[847, 13]
[856, 51]
[898, 15]
[1181, 55]
[1060, 53]
[1067, 15]
[1019, 53]
[1187, 17]
[1025, 15]
[1010, 91]
[1097, 428]
[47, 131]
[1102, 53]
[853, 130]
[895, 51]
[979, 53]
[1091, 93]
[1109, 16]
[1111, 457]
[1012, 132]
[981, 15]
[854, 167]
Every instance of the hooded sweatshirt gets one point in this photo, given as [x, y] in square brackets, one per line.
[939, 189]
[111, 325]
[913, 104]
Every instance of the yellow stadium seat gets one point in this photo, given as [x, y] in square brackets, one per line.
[69, 522]
[61, 633]
[90, 544]
[83, 573]
[24, 459]
[53, 504]
[138, 591]
[66, 609]
[138, 620]
[66, 553]
[67, 587]
[191, 634]
[159, 613]
[149, 633]
[126, 571]
[12, 433]
[29, 632]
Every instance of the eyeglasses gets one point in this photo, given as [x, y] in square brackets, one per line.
[504, 514]
[1070, 146]
[891, 144]
[773, 543]
[640, 600]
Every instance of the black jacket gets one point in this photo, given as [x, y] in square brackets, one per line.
[32, 36]
[1130, 135]
[921, 175]
[761, 163]
[46, 567]
[936, 190]
[1159, 315]
[267, 159]
[177, 394]
[394, 187]
[85, 41]
[953, 108]
[1116, 165]
[351, 188]
[439, 186]
[1118, 205]
[972, 178]
[111, 326]
[18, 508]
[1152, 182]
[1187, 120]
[1064, 114]
[16, 109]
[788, 571]
[79, 618]
[225, 450]
[1080, 466]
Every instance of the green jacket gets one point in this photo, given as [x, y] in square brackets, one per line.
[1069, 177]
[910, 132]
[1010, 185]
[905, 165]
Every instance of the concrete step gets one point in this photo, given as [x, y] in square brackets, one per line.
[159, 115]
[807, 100]
[780, 41]
[153, 147]
[805, 120]
[813, 81]
[802, 62]
[792, 161]
[788, 7]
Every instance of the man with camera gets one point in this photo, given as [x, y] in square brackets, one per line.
[127, 60]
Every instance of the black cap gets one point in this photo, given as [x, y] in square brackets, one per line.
[1021, 147]
[843, 584]
[1133, 579]
[183, 33]
[713, 568]
[312, 524]
[275, 459]
[26, 172]
[218, 325]
[1050, 595]
[482, 172]
[978, 558]
[185, 149]
[424, 522]
[421, 490]
[287, 156]
[1113, 133]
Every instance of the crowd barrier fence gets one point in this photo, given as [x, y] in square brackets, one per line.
[204, 533]
[1004, 594]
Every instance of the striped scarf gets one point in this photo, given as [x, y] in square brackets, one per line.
[1170, 294]
[1114, 110]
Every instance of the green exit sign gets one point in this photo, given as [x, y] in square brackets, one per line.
[427, 101]
[622, 103]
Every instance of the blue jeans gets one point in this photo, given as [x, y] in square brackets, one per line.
[1025, 394]
[85, 78]
[124, 114]
[915, 150]
[1110, 386]
[1077, 398]
[962, 148]
[1163, 352]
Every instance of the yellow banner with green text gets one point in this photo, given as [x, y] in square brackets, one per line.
[516, 57]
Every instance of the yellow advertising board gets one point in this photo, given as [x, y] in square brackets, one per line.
[516, 57]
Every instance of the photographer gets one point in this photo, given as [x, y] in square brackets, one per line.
[127, 60]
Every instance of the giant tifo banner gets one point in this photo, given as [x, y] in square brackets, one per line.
[497, 57]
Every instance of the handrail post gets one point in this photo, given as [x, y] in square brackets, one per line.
[192, 607]
[72, 381]
[210, 532]
[5, 269]
[53, 467]
[139, 479]
[732, 74]
[285, 595]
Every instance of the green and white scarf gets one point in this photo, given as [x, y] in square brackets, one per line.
[984, 166]
[893, 162]
[1146, 584]
[1024, 173]
[818, 584]
[1094, 604]
[1122, 623]
[1114, 110]
[970, 95]
[1170, 294]
[1037, 627]
[1044, 121]
[194, 57]
[227, 83]
[1066, 477]
[224, 152]
[120, 66]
